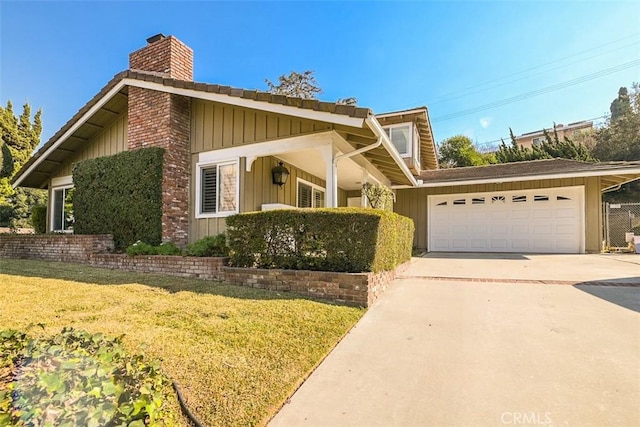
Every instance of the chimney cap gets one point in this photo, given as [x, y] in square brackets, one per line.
[156, 38]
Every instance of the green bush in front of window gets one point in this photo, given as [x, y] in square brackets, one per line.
[333, 239]
[39, 218]
[209, 246]
[120, 195]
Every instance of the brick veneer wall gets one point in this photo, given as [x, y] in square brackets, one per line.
[54, 247]
[159, 119]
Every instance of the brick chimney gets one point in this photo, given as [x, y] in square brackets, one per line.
[160, 119]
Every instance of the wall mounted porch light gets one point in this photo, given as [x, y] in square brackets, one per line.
[280, 174]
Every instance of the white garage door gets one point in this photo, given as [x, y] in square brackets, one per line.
[535, 221]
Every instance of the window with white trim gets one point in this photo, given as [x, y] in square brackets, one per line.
[403, 137]
[538, 141]
[62, 209]
[310, 195]
[217, 189]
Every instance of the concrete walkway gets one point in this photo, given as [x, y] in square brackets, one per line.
[455, 353]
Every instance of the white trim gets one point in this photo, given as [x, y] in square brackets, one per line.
[203, 165]
[59, 187]
[268, 148]
[71, 130]
[313, 187]
[579, 189]
[498, 180]
[62, 180]
[250, 103]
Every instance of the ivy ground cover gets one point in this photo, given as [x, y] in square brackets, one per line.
[236, 353]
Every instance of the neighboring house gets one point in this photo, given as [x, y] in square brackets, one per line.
[223, 143]
[574, 131]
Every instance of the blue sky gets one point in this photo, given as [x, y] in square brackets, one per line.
[453, 57]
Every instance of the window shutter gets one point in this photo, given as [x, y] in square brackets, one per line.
[304, 196]
[318, 201]
[228, 181]
[209, 190]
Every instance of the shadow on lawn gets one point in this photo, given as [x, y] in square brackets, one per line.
[615, 291]
[103, 276]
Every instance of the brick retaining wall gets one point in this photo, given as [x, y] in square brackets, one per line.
[54, 247]
[357, 289]
[198, 267]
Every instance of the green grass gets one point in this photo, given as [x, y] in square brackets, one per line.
[237, 353]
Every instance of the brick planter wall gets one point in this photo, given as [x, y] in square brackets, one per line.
[54, 247]
[197, 267]
[357, 289]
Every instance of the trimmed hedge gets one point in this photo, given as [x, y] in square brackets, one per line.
[39, 218]
[334, 239]
[120, 195]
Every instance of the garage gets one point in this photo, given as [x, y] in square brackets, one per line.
[549, 220]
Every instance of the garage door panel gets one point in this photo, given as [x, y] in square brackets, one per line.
[511, 221]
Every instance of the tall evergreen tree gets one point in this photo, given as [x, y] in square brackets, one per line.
[19, 138]
[551, 148]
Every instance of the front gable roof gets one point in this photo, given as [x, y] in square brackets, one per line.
[111, 101]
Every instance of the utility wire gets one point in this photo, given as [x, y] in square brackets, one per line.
[447, 95]
[465, 94]
[537, 92]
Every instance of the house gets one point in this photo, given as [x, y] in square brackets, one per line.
[576, 131]
[222, 145]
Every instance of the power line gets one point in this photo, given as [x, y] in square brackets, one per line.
[537, 92]
[434, 100]
[465, 94]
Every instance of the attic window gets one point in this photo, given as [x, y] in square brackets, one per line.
[403, 136]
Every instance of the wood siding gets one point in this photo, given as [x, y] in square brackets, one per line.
[413, 203]
[215, 126]
[256, 189]
[112, 140]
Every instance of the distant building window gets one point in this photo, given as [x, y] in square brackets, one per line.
[538, 141]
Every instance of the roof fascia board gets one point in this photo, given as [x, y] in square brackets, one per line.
[304, 113]
[584, 174]
[400, 113]
[85, 117]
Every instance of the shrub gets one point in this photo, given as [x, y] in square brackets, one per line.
[338, 239]
[39, 219]
[142, 248]
[76, 378]
[209, 246]
[120, 195]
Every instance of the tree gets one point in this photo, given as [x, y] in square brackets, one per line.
[297, 85]
[302, 85]
[551, 148]
[19, 137]
[620, 138]
[459, 151]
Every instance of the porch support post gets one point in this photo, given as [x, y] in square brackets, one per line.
[365, 179]
[331, 176]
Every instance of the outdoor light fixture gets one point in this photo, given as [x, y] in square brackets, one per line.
[280, 174]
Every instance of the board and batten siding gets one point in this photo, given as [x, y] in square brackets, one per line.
[256, 189]
[413, 203]
[111, 140]
[215, 126]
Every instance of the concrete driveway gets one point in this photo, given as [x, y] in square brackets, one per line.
[443, 352]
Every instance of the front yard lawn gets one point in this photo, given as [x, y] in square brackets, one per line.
[237, 353]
